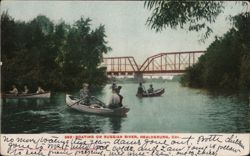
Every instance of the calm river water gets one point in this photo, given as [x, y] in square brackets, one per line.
[180, 109]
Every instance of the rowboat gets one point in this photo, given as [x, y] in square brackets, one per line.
[94, 108]
[27, 96]
[157, 92]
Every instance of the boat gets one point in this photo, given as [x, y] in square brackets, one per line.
[94, 108]
[28, 96]
[157, 92]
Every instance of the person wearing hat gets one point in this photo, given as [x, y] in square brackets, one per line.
[114, 101]
[84, 92]
[14, 90]
[26, 90]
[140, 89]
[151, 89]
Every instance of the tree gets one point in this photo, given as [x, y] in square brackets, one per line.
[55, 56]
[192, 15]
[84, 51]
[225, 64]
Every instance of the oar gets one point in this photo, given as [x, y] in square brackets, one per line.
[102, 103]
[71, 105]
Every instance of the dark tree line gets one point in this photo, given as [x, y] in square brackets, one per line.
[226, 63]
[55, 56]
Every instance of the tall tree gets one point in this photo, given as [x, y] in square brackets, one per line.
[226, 61]
[191, 15]
[56, 56]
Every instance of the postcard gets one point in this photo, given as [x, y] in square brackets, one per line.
[125, 78]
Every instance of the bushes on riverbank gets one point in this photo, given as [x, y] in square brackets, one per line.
[56, 56]
[226, 63]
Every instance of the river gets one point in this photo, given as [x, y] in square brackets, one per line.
[180, 109]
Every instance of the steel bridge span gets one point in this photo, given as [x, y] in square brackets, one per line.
[168, 62]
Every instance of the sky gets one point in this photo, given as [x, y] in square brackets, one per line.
[125, 24]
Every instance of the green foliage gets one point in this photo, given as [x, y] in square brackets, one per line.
[194, 78]
[193, 15]
[245, 73]
[226, 63]
[56, 56]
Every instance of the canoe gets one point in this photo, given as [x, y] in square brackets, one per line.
[157, 92]
[94, 108]
[27, 96]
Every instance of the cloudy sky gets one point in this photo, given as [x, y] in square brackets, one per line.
[124, 22]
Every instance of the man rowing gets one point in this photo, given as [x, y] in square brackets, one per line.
[140, 89]
[84, 93]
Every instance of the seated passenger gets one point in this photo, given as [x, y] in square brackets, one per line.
[14, 90]
[140, 89]
[151, 89]
[114, 100]
[26, 90]
[114, 86]
[40, 90]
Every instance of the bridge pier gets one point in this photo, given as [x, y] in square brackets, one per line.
[138, 76]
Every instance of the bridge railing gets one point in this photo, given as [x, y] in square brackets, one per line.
[121, 65]
[172, 62]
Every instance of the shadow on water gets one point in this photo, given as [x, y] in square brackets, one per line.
[238, 96]
[230, 110]
[116, 124]
[19, 105]
[178, 110]
[74, 121]
[26, 116]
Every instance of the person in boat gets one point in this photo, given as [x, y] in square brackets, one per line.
[118, 90]
[26, 90]
[114, 100]
[84, 93]
[40, 90]
[140, 89]
[14, 90]
[114, 86]
[151, 89]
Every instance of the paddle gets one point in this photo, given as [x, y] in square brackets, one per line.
[102, 103]
[71, 105]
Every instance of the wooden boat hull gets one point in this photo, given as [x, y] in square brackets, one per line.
[28, 96]
[94, 108]
[157, 92]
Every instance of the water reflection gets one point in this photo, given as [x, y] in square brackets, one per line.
[178, 110]
[115, 124]
[228, 112]
[249, 99]
[26, 102]
[77, 122]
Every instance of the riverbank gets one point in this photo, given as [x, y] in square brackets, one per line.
[226, 62]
